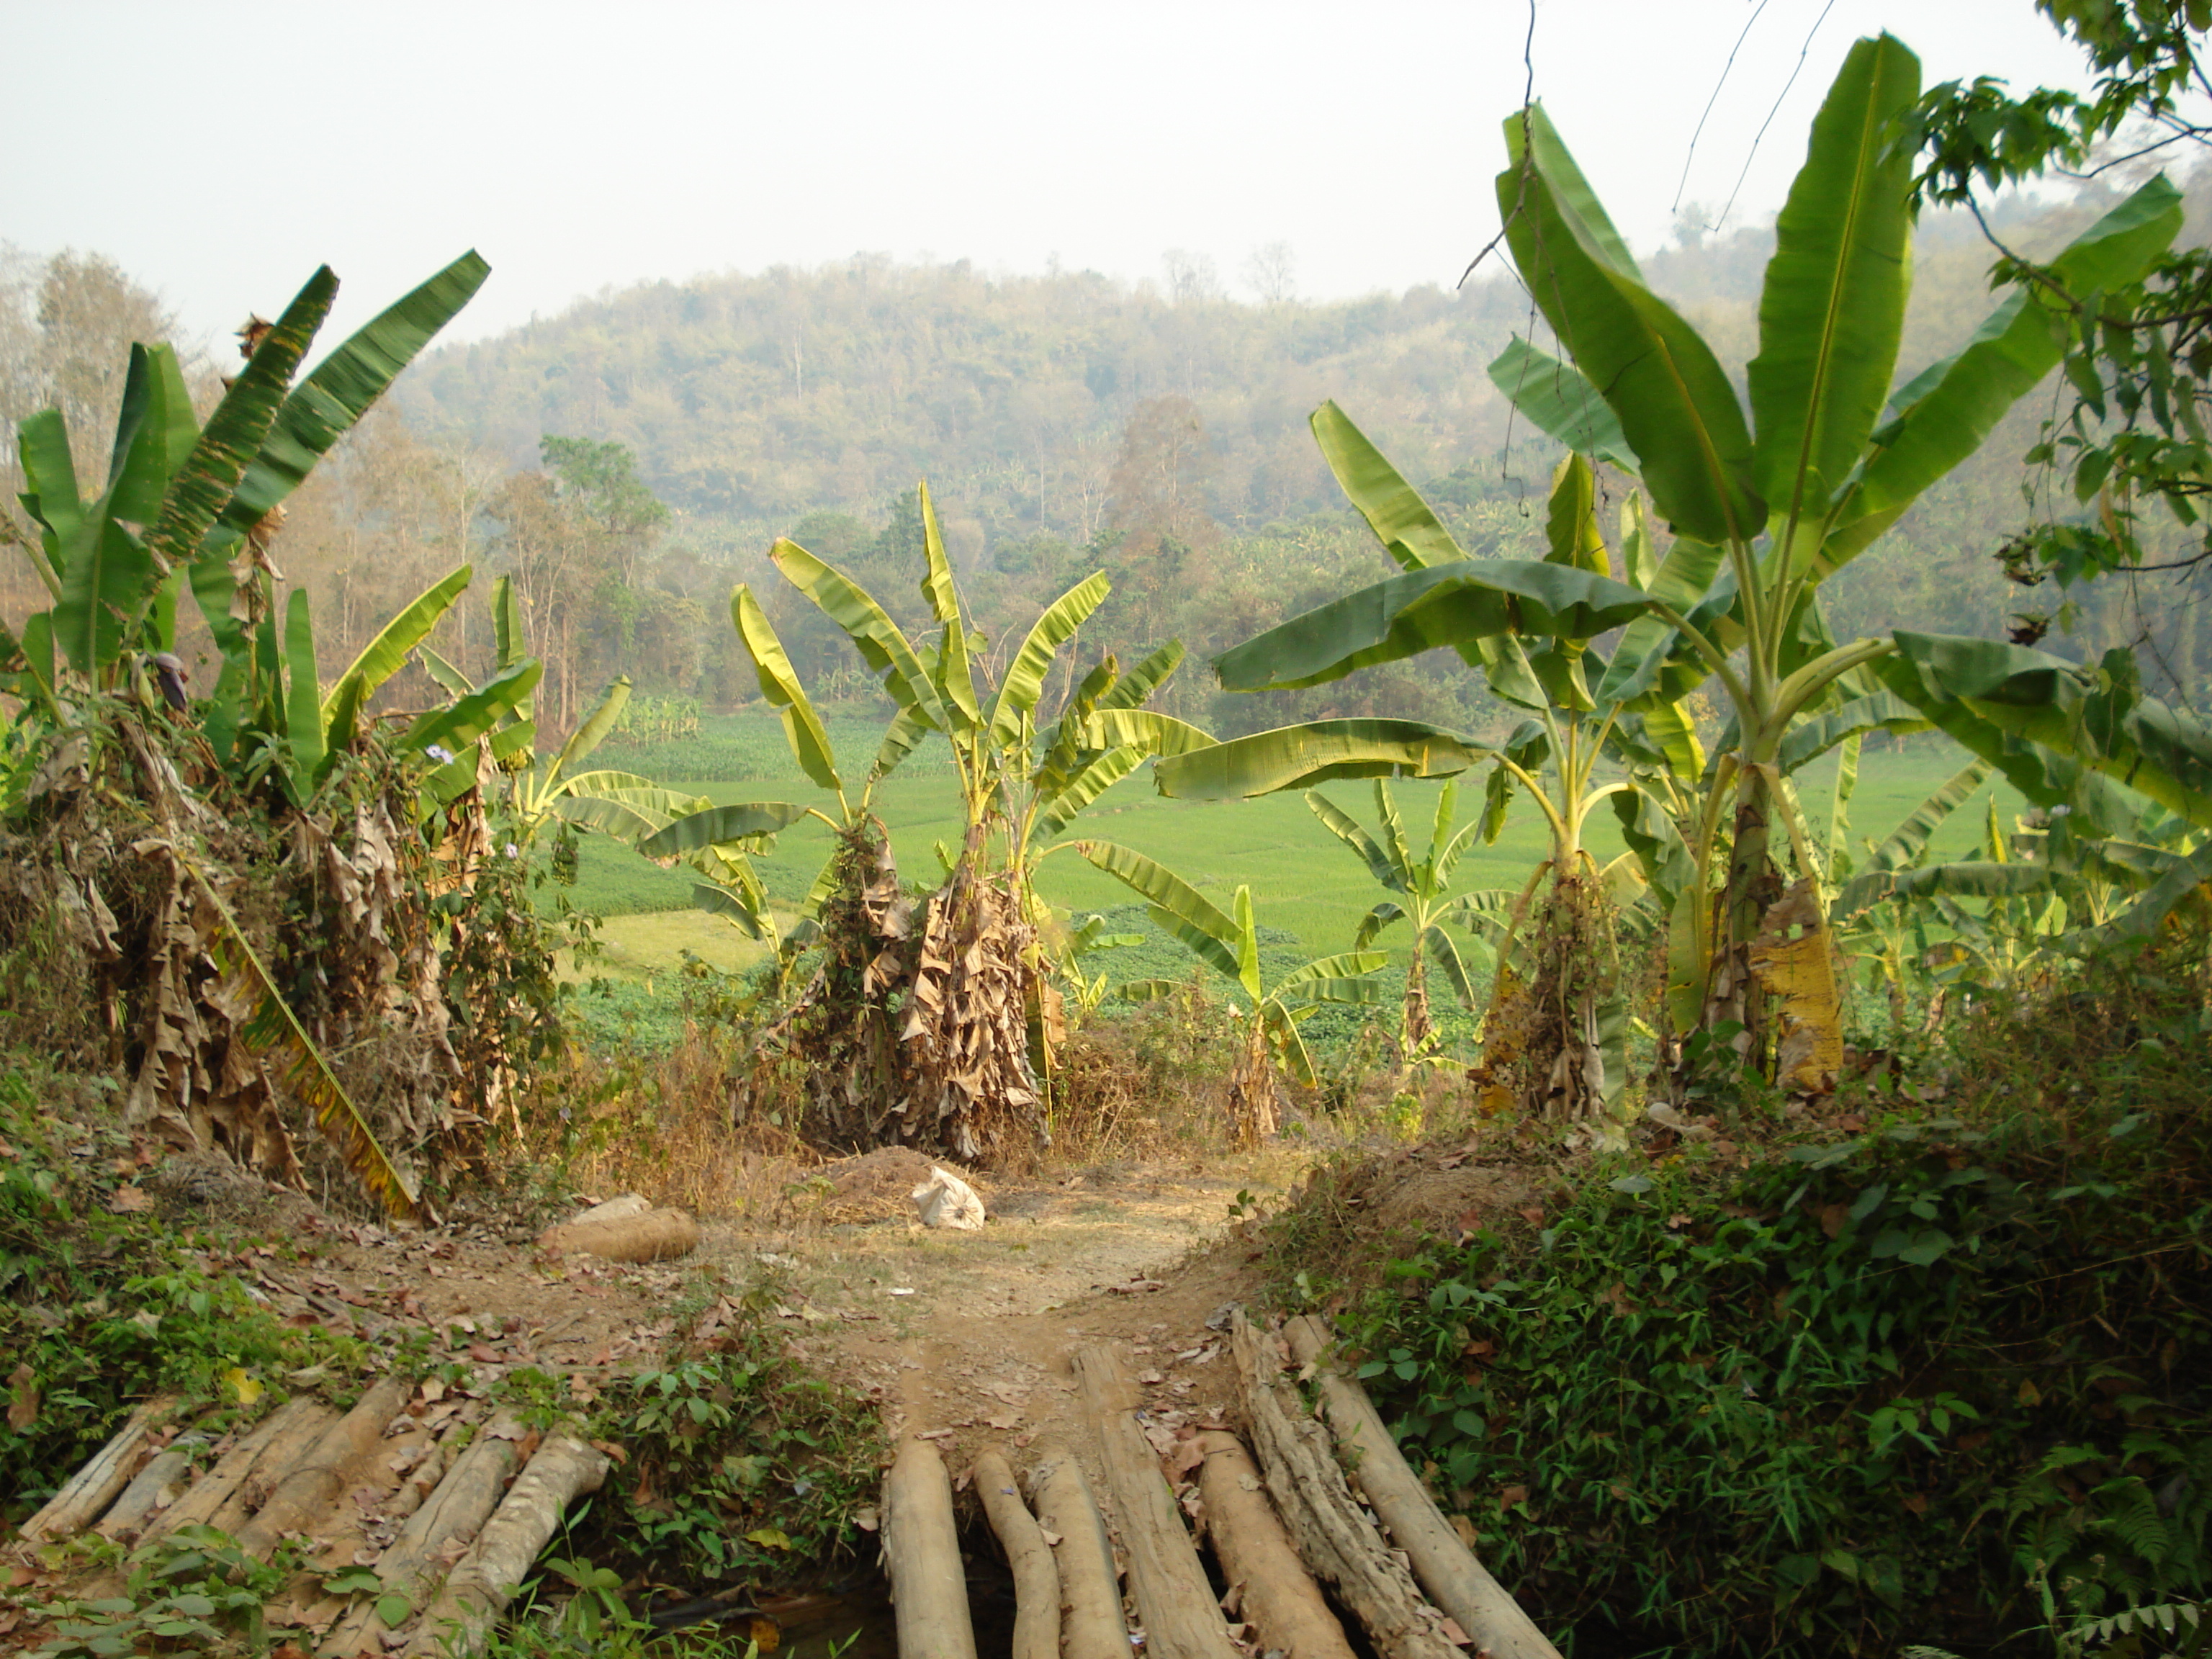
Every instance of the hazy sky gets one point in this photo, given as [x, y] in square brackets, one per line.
[220, 151]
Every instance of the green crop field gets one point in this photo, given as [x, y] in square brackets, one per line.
[1304, 882]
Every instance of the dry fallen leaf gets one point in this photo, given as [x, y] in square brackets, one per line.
[22, 1397]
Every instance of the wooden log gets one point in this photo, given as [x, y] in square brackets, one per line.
[94, 1487]
[921, 1551]
[1334, 1539]
[656, 1235]
[1037, 1576]
[1091, 1622]
[303, 1492]
[1181, 1618]
[1455, 1579]
[1286, 1607]
[214, 1489]
[485, 1579]
[127, 1516]
[453, 1513]
[297, 1439]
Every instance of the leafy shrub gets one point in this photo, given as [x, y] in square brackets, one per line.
[1933, 1380]
[741, 1463]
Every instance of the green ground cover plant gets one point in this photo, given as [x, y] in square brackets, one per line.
[1938, 1377]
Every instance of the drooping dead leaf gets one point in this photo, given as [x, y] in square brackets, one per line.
[1801, 973]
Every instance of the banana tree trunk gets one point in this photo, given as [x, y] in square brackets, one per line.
[1252, 1087]
[1416, 1027]
[1732, 996]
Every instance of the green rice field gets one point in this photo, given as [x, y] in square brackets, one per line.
[1304, 882]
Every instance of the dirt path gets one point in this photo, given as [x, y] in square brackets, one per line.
[965, 1336]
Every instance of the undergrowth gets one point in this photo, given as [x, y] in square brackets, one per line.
[1947, 1379]
[741, 1465]
[102, 1305]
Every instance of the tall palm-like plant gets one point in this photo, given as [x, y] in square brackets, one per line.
[1424, 903]
[967, 1067]
[1763, 502]
[1229, 943]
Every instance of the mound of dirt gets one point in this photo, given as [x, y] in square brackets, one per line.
[1449, 1201]
[878, 1186]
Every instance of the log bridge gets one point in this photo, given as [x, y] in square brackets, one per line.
[450, 1505]
[1297, 1546]
[1311, 1521]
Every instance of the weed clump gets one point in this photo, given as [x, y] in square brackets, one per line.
[1931, 1372]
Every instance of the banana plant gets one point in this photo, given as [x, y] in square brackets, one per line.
[1530, 627]
[1763, 504]
[1229, 943]
[1882, 933]
[1778, 498]
[1425, 904]
[2085, 744]
[1022, 783]
[181, 500]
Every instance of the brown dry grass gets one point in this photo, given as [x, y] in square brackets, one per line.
[702, 1128]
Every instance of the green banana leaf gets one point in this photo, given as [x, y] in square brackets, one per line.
[52, 498]
[1950, 407]
[1291, 1048]
[1132, 689]
[510, 635]
[592, 730]
[2140, 921]
[330, 401]
[1294, 757]
[720, 825]
[1310, 994]
[1879, 712]
[1447, 604]
[2006, 701]
[1176, 905]
[1653, 662]
[1677, 407]
[1346, 965]
[447, 679]
[1904, 845]
[1832, 309]
[385, 656]
[1407, 527]
[901, 738]
[1387, 913]
[1347, 830]
[1086, 786]
[779, 683]
[881, 644]
[630, 811]
[468, 718]
[1248, 944]
[1023, 685]
[153, 436]
[955, 678]
[1153, 732]
[747, 907]
[1562, 402]
[303, 699]
[107, 576]
[204, 486]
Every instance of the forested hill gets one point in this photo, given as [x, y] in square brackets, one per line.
[753, 400]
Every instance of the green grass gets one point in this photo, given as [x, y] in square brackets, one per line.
[1303, 881]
